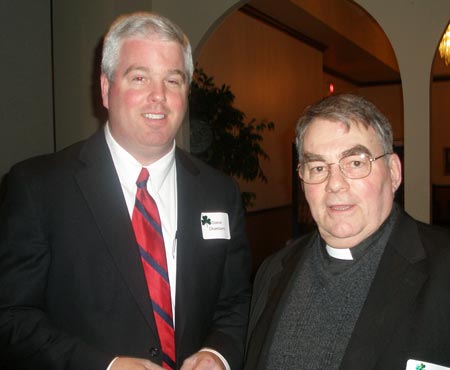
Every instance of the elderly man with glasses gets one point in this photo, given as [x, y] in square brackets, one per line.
[370, 288]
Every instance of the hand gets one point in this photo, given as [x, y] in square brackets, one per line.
[130, 363]
[203, 360]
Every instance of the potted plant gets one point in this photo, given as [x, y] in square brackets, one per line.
[220, 136]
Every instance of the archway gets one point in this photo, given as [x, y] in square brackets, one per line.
[440, 141]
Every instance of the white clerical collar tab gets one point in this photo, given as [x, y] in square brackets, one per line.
[215, 225]
[340, 253]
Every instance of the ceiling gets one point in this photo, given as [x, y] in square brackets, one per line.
[354, 46]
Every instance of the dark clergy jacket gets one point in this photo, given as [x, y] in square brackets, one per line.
[72, 290]
[407, 311]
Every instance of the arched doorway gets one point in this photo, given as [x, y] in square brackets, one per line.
[440, 141]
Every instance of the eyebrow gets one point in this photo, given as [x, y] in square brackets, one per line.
[178, 72]
[357, 149]
[133, 68]
[311, 157]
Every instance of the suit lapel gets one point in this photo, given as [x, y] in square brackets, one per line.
[189, 199]
[263, 322]
[396, 285]
[99, 183]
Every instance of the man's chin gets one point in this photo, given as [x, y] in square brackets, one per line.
[341, 236]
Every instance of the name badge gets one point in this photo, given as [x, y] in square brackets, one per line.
[215, 225]
[422, 365]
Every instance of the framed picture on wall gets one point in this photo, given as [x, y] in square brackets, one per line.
[447, 161]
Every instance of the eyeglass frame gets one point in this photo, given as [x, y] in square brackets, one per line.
[371, 159]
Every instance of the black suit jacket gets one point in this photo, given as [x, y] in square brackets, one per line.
[72, 291]
[406, 314]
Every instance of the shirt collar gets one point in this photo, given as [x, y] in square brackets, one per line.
[128, 168]
[339, 253]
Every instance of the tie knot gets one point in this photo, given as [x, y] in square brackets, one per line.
[142, 178]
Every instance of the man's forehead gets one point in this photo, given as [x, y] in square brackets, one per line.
[131, 59]
[329, 128]
[339, 139]
[152, 42]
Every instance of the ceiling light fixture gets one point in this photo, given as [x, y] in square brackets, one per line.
[444, 46]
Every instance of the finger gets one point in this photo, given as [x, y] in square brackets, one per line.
[206, 363]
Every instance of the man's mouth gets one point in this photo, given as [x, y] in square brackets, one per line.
[342, 207]
[155, 115]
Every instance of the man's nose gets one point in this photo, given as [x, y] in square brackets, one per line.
[157, 91]
[336, 180]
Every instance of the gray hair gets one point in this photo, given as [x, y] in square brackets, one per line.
[143, 25]
[348, 109]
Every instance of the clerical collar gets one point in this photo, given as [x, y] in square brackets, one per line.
[339, 253]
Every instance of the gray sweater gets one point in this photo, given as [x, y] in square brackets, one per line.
[322, 304]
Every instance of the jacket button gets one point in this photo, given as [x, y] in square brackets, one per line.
[154, 352]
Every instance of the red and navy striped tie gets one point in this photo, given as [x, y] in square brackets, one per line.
[148, 232]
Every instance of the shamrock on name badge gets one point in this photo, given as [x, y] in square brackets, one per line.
[206, 220]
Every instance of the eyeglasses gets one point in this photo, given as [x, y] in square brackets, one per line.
[355, 166]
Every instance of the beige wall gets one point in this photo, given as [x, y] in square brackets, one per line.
[274, 77]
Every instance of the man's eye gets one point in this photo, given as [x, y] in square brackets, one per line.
[317, 169]
[138, 79]
[174, 82]
[356, 164]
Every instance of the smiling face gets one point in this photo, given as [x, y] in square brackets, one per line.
[347, 211]
[147, 97]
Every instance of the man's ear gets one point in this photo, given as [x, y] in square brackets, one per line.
[104, 85]
[395, 168]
